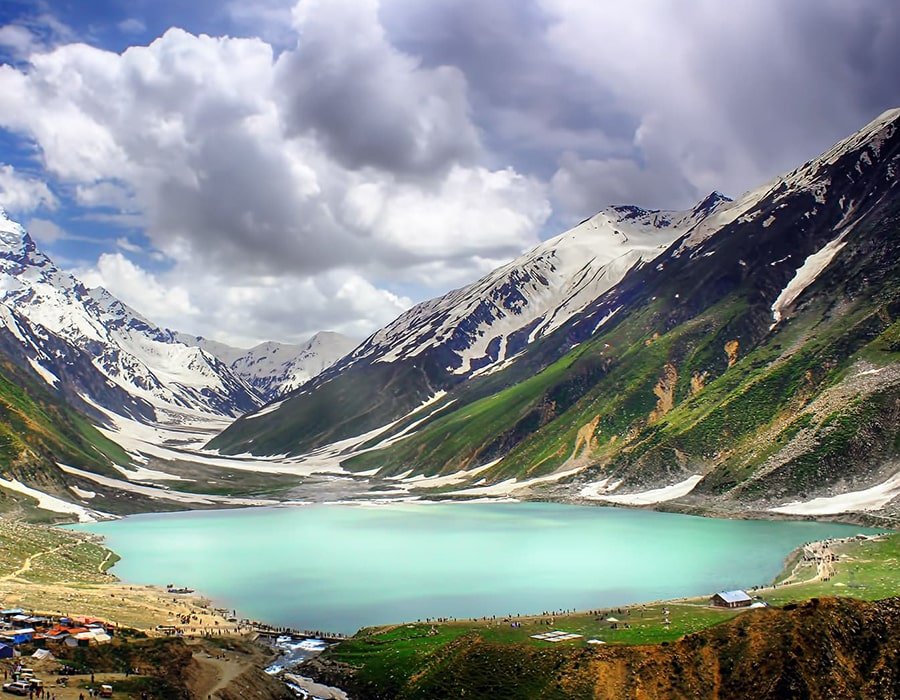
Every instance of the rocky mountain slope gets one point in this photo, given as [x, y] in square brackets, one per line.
[275, 369]
[755, 362]
[71, 358]
[471, 331]
[79, 339]
[38, 429]
[83, 376]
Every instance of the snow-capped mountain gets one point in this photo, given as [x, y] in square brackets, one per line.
[785, 232]
[497, 316]
[473, 330]
[88, 344]
[275, 369]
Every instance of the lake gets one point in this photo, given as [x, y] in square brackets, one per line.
[341, 567]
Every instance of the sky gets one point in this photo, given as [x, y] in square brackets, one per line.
[263, 170]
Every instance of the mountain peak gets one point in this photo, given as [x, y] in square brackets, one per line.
[14, 240]
[712, 200]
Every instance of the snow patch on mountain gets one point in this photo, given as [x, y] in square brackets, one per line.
[646, 498]
[872, 498]
[53, 504]
[806, 274]
[162, 494]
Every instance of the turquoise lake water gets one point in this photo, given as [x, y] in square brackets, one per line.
[339, 567]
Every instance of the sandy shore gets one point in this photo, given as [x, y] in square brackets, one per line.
[140, 607]
[60, 572]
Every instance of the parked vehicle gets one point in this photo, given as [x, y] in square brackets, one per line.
[106, 691]
[17, 688]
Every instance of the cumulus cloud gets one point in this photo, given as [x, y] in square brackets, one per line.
[138, 288]
[21, 194]
[371, 104]
[213, 146]
[193, 140]
[245, 310]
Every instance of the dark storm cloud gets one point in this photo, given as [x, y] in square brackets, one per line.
[798, 76]
[530, 105]
[658, 103]
[369, 103]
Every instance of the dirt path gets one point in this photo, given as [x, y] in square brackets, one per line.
[216, 673]
[822, 555]
[101, 568]
[26, 565]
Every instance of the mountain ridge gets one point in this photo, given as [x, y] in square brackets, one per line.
[274, 369]
[472, 330]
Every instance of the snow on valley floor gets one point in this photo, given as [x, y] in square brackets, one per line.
[54, 504]
[599, 491]
[178, 447]
[873, 498]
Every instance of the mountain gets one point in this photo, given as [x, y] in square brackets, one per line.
[471, 331]
[753, 363]
[93, 349]
[37, 429]
[275, 369]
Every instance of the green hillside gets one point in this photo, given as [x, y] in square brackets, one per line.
[37, 430]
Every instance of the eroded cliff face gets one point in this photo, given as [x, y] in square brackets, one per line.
[231, 669]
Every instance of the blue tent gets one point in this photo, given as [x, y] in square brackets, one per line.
[20, 636]
[6, 651]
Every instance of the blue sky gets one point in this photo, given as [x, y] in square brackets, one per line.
[263, 170]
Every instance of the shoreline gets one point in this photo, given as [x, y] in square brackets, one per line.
[248, 626]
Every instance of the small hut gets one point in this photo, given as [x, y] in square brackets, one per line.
[731, 599]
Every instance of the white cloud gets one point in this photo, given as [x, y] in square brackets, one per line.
[128, 246]
[18, 39]
[45, 231]
[245, 311]
[22, 194]
[192, 138]
[132, 25]
[139, 288]
[473, 211]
